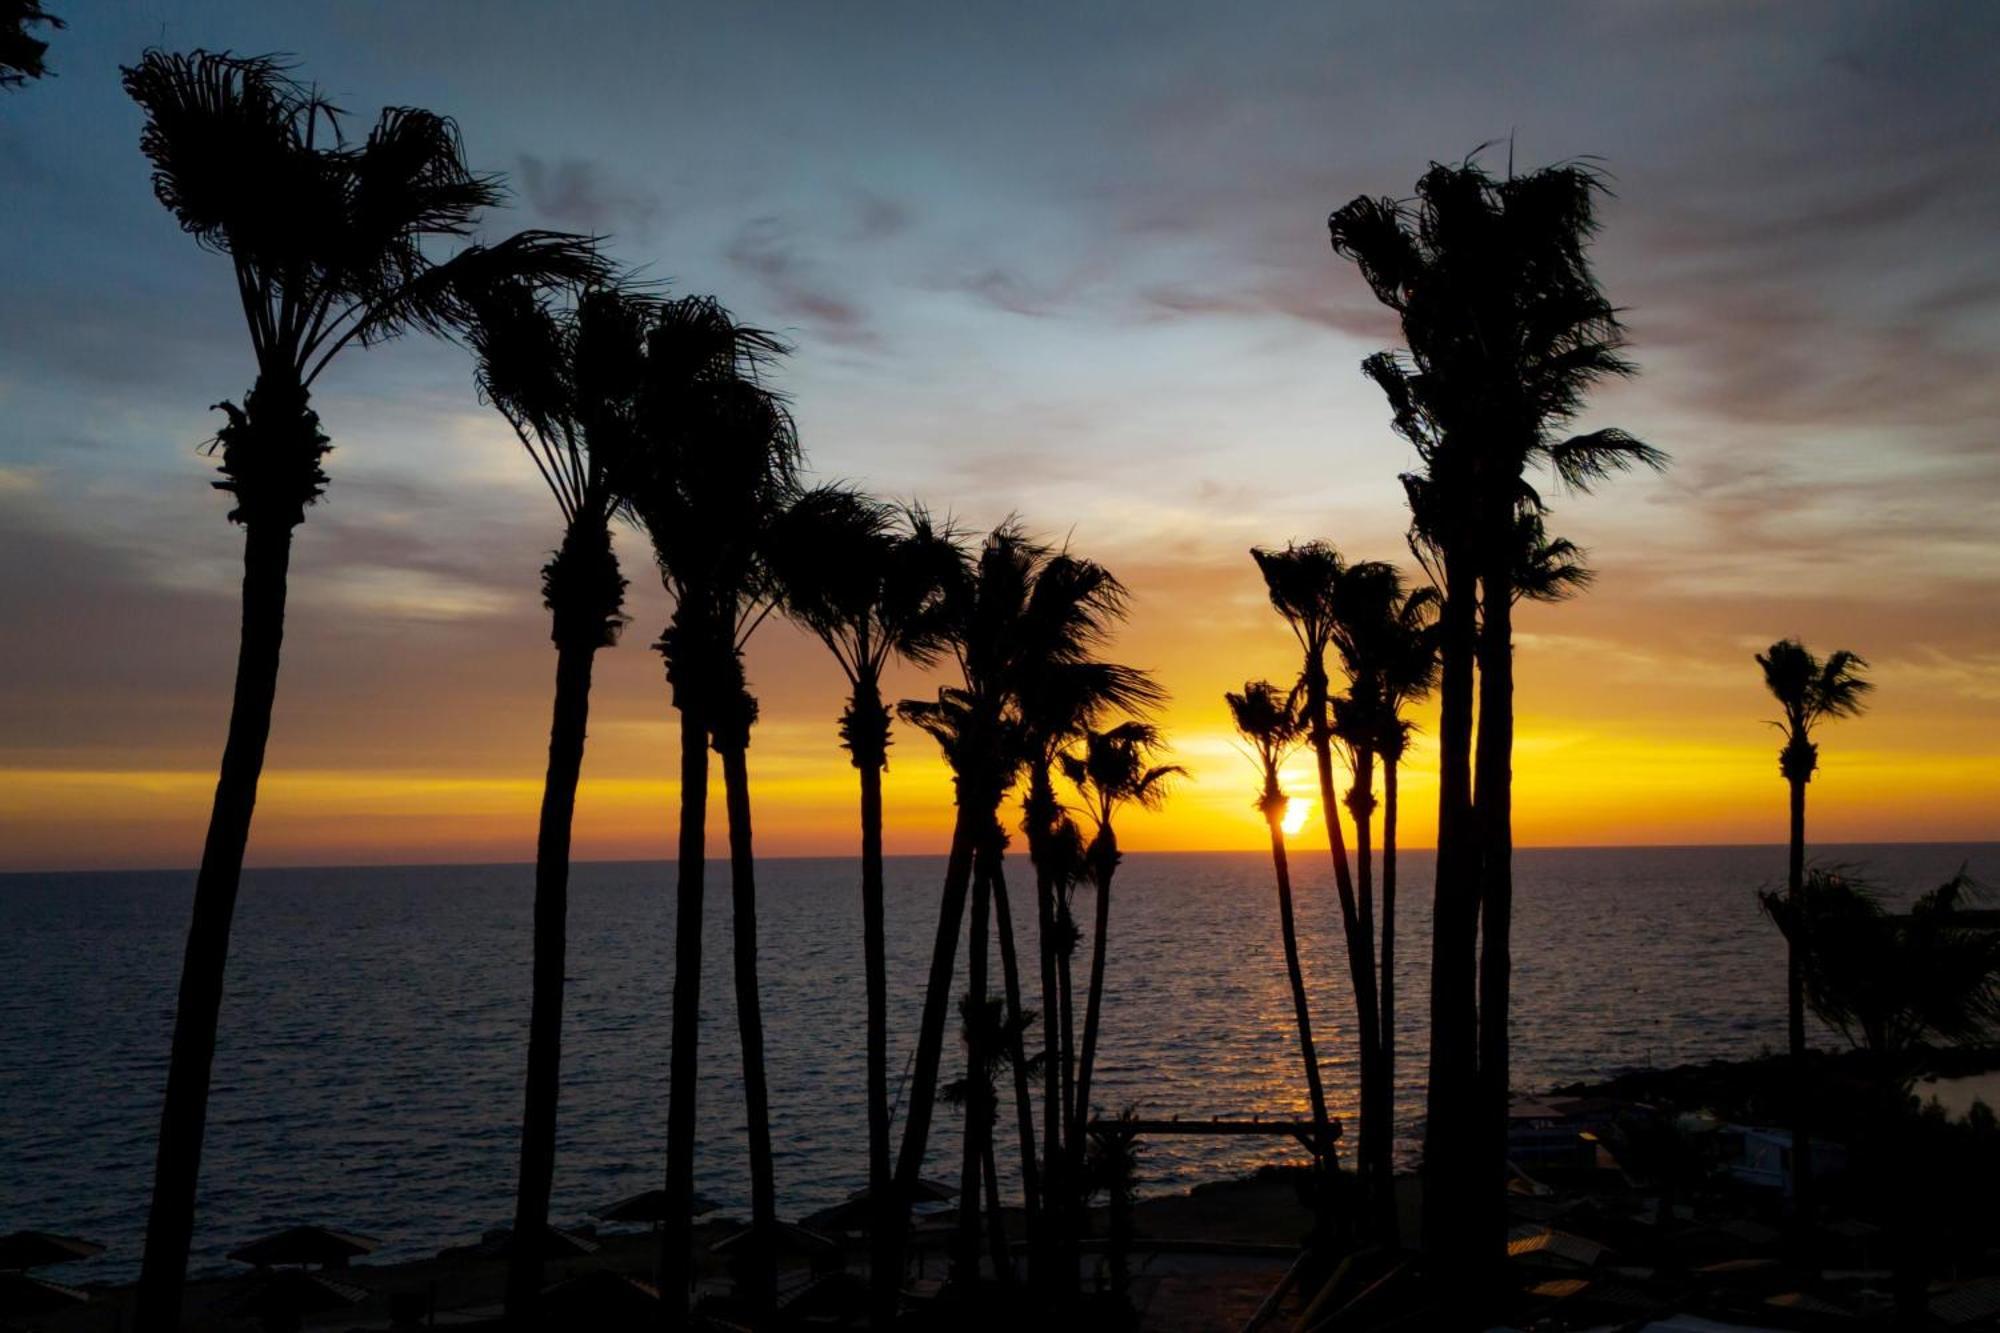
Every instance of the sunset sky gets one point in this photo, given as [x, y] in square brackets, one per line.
[1064, 261]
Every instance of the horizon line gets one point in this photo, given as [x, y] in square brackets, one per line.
[912, 856]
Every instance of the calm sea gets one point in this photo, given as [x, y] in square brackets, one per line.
[372, 1043]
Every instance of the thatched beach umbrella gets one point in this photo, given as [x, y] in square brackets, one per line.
[652, 1206]
[305, 1246]
[602, 1299]
[38, 1249]
[28, 1297]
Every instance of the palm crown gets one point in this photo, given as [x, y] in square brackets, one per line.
[1810, 691]
[328, 236]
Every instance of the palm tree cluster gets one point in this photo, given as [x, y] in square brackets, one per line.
[1505, 332]
[658, 412]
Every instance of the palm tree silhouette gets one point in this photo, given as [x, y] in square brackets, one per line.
[712, 463]
[21, 51]
[1810, 692]
[330, 243]
[869, 582]
[1507, 331]
[1307, 582]
[1019, 614]
[1268, 718]
[1112, 772]
[562, 379]
[1386, 640]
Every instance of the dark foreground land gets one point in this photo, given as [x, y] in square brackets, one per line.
[1636, 1201]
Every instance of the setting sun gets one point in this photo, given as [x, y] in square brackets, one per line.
[1298, 809]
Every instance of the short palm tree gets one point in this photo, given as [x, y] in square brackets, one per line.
[1306, 582]
[1810, 692]
[710, 464]
[560, 376]
[1894, 984]
[1507, 331]
[331, 244]
[1268, 719]
[1112, 771]
[869, 582]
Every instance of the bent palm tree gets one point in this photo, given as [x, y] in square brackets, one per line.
[1507, 331]
[1306, 582]
[1810, 692]
[711, 459]
[329, 242]
[1113, 772]
[1268, 718]
[870, 589]
[555, 375]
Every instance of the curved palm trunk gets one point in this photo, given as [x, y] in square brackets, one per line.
[978, 1116]
[887, 1279]
[1086, 1056]
[538, 1120]
[1795, 1022]
[1390, 764]
[1360, 949]
[676, 1262]
[1017, 1053]
[750, 1026]
[1493, 802]
[267, 549]
[1281, 868]
[1454, 933]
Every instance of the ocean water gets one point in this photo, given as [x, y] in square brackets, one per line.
[373, 1036]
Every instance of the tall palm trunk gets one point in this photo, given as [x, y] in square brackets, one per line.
[1454, 931]
[978, 1117]
[1391, 761]
[1055, 1051]
[574, 660]
[1282, 869]
[867, 722]
[1795, 1020]
[1379, 1111]
[676, 1262]
[1086, 1056]
[750, 1020]
[1493, 803]
[996, 1222]
[1017, 1053]
[267, 548]
[887, 1279]
[1360, 950]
